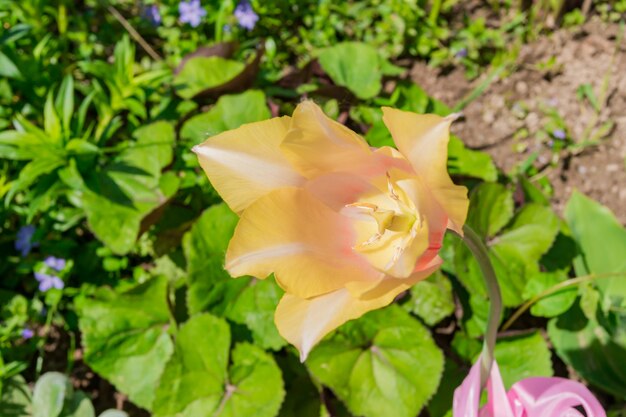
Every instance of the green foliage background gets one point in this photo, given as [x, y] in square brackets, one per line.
[95, 151]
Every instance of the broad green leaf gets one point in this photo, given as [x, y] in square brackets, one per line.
[210, 286]
[49, 394]
[15, 400]
[198, 380]
[121, 194]
[113, 413]
[78, 405]
[230, 112]
[602, 241]
[202, 73]
[514, 254]
[554, 304]
[491, 208]
[521, 357]
[194, 378]
[255, 307]
[594, 352]
[383, 364]
[468, 162]
[432, 299]
[303, 398]
[441, 403]
[125, 337]
[354, 65]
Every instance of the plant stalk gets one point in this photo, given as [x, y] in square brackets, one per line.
[479, 250]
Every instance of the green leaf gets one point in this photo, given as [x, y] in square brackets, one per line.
[51, 121]
[354, 65]
[123, 193]
[491, 208]
[113, 413]
[210, 286]
[514, 254]
[16, 398]
[64, 103]
[468, 162]
[230, 112]
[78, 405]
[384, 364]
[255, 308]
[49, 394]
[7, 68]
[202, 73]
[521, 357]
[552, 305]
[432, 299]
[197, 381]
[303, 398]
[125, 337]
[602, 241]
[594, 352]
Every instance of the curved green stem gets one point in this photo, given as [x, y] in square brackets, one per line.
[555, 289]
[479, 250]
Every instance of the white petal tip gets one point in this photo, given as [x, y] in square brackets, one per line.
[195, 149]
[453, 117]
[303, 356]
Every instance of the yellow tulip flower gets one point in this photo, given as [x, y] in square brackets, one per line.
[343, 227]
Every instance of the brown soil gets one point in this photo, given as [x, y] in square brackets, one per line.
[591, 54]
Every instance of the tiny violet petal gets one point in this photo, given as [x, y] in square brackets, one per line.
[57, 283]
[245, 15]
[47, 282]
[559, 134]
[151, 14]
[24, 239]
[27, 333]
[55, 263]
[191, 12]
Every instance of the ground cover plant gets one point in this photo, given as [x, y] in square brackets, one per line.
[115, 300]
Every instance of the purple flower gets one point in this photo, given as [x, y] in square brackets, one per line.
[55, 263]
[47, 282]
[245, 15]
[151, 14]
[461, 53]
[559, 134]
[24, 239]
[27, 333]
[191, 12]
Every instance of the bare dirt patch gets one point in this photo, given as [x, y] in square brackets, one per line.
[593, 54]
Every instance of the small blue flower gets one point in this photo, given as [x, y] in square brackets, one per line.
[461, 53]
[55, 263]
[47, 282]
[245, 15]
[559, 134]
[24, 239]
[27, 333]
[151, 14]
[191, 12]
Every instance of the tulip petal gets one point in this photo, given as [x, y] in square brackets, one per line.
[466, 400]
[246, 163]
[316, 145]
[307, 245]
[556, 397]
[423, 140]
[304, 322]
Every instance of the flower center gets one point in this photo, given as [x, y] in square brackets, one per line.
[386, 224]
